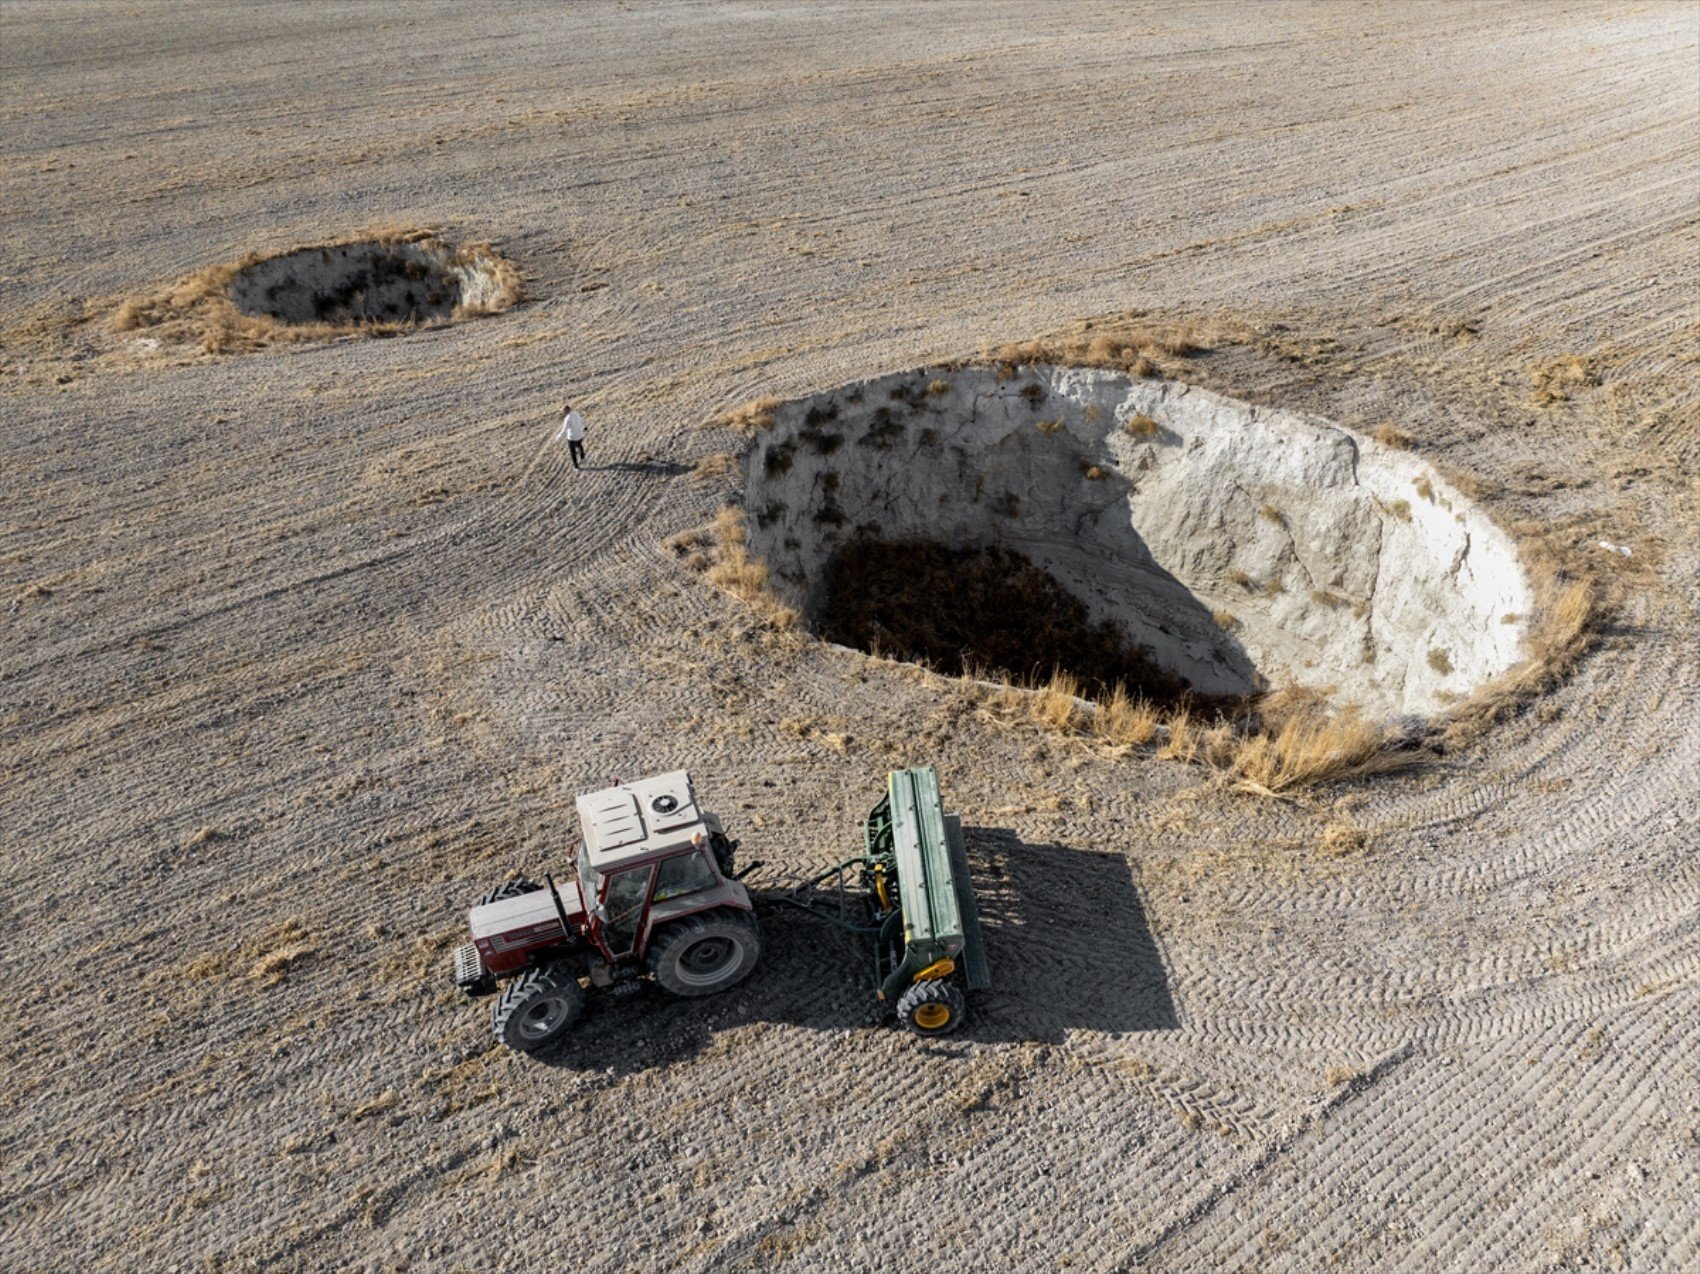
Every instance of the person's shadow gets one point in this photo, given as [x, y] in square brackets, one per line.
[650, 468]
[1067, 942]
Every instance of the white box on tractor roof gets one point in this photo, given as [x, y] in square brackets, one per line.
[646, 816]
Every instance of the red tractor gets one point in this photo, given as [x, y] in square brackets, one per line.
[655, 899]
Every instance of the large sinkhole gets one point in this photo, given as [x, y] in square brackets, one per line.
[398, 282]
[1133, 530]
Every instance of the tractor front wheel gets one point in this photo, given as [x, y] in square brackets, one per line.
[537, 1008]
[932, 1008]
[702, 954]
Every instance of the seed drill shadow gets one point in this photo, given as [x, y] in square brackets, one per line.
[1066, 938]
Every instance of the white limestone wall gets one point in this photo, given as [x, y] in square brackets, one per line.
[1244, 546]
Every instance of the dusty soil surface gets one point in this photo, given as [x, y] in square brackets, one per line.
[306, 647]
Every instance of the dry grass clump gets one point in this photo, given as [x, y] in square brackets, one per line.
[1124, 720]
[1291, 741]
[198, 309]
[279, 950]
[714, 468]
[265, 959]
[1124, 344]
[753, 416]
[1556, 379]
[1049, 426]
[1390, 435]
[1061, 705]
[1309, 748]
[814, 729]
[1342, 838]
[1184, 739]
[1276, 708]
[1141, 426]
[385, 1100]
[719, 551]
[1056, 705]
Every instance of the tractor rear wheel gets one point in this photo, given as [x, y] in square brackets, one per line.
[537, 1008]
[705, 953]
[934, 1007]
[509, 889]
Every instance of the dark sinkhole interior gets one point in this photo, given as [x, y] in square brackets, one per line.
[351, 284]
[985, 611]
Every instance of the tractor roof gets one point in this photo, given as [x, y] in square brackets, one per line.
[639, 818]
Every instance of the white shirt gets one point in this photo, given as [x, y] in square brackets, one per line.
[572, 428]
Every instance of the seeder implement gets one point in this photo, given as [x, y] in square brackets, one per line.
[915, 904]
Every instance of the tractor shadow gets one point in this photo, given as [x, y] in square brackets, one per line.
[811, 975]
[1066, 939]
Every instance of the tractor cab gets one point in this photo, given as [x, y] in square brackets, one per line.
[650, 856]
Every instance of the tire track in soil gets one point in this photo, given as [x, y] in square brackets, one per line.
[1532, 890]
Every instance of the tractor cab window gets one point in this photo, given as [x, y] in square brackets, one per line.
[588, 875]
[622, 908]
[683, 874]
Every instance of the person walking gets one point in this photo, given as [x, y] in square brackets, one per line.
[572, 429]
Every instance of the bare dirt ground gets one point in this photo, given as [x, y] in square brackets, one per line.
[304, 647]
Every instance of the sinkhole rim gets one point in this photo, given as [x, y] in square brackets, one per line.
[223, 309]
[1104, 425]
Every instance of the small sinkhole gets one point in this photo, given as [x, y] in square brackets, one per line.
[393, 284]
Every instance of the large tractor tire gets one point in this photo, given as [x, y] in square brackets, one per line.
[509, 889]
[702, 954]
[537, 1008]
[934, 1007]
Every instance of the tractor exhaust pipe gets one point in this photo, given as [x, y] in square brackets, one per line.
[555, 897]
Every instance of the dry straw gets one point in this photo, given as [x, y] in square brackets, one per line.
[718, 550]
[1121, 343]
